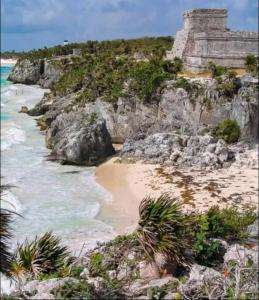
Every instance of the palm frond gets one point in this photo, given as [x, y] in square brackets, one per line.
[41, 256]
[5, 237]
[162, 228]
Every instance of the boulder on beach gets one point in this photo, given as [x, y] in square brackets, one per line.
[79, 139]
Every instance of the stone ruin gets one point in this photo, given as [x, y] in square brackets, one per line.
[206, 38]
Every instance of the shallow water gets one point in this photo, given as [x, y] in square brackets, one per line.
[45, 193]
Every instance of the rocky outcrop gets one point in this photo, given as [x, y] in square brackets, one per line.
[79, 140]
[150, 130]
[201, 108]
[119, 269]
[39, 71]
[27, 72]
[176, 149]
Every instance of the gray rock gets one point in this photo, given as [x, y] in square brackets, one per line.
[200, 151]
[148, 271]
[123, 271]
[77, 140]
[140, 286]
[201, 277]
[30, 286]
[85, 273]
[241, 255]
[39, 71]
[97, 282]
[41, 296]
[253, 232]
[26, 72]
[46, 286]
[111, 274]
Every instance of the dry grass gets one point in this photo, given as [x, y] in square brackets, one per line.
[207, 74]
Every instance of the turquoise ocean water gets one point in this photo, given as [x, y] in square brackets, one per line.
[65, 199]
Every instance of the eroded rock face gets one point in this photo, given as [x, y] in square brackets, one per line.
[42, 71]
[78, 140]
[203, 281]
[176, 149]
[44, 288]
[241, 255]
[26, 72]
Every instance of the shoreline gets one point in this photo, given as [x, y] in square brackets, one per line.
[8, 62]
[197, 189]
[27, 139]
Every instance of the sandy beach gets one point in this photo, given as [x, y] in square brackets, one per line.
[198, 189]
[8, 62]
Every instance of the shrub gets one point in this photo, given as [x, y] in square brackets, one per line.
[206, 251]
[216, 70]
[71, 290]
[43, 255]
[146, 78]
[163, 229]
[174, 67]
[207, 103]
[227, 89]
[228, 130]
[96, 264]
[183, 83]
[229, 223]
[251, 64]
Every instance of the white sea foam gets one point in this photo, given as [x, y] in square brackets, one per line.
[10, 202]
[11, 136]
[7, 285]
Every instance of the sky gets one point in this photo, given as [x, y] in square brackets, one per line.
[32, 24]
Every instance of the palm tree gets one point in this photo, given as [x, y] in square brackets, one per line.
[163, 232]
[41, 256]
[5, 236]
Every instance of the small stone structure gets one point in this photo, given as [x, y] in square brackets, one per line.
[206, 38]
[77, 52]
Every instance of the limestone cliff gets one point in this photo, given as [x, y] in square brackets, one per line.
[40, 71]
[189, 107]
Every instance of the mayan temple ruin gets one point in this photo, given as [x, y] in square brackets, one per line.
[205, 37]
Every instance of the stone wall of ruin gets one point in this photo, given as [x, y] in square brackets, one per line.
[205, 38]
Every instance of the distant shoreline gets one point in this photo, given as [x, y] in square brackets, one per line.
[8, 62]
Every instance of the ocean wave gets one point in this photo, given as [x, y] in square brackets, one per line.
[7, 285]
[11, 136]
[10, 202]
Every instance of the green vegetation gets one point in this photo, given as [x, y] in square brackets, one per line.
[207, 103]
[228, 84]
[92, 119]
[43, 255]
[228, 223]
[111, 69]
[251, 64]
[5, 237]
[72, 290]
[163, 229]
[146, 77]
[96, 264]
[216, 70]
[183, 83]
[206, 251]
[228, 130]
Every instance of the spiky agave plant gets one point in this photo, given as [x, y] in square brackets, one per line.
[163, 231]
[41, 256]
[5, 237]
